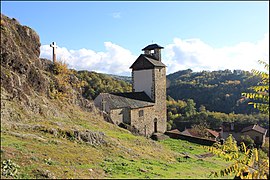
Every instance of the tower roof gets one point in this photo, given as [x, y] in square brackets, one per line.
[145, 61]
[152, 46]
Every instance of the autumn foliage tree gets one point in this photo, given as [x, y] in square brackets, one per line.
[260, 94]
[249, 163]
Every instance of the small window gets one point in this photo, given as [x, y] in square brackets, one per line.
[140, 113]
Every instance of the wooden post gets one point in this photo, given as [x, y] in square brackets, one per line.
[53, 45]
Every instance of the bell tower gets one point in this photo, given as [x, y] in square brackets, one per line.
[149, 76]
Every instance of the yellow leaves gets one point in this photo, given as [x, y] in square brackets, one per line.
[256, 154]
[255, 175]
[244, 148]
[246, 165]
[247, 152]
[261, 90]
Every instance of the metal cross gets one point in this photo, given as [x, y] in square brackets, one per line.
[53, 45]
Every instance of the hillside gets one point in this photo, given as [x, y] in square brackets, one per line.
[96, 83]
[51, 131]
[218, 91]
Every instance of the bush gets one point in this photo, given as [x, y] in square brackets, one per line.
[61, 88]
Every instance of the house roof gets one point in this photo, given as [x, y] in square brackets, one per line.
[190, 132]
[175, 131]
[214, 133]
[254, 127]
[131, 100]
[146, 61]
[152, 46]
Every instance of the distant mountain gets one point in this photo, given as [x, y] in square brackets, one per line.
[127, 79]
[217, 90]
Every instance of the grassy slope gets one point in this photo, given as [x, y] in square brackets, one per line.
[124, 156]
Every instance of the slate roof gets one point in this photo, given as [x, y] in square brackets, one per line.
[131, 100]
[145, 61]
[152, 46]
[254, 127]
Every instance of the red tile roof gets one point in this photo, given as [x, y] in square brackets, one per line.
[214, 133]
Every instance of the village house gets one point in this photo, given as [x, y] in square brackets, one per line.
[211, 134]
[144, 108]
[255, 132]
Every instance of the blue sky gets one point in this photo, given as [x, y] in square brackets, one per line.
[108, 36]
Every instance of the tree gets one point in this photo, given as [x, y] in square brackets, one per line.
[190, 108]
[260, 96]
[201, 129]
[247, 163]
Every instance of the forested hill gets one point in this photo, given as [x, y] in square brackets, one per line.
[96, 83]
[217, 90]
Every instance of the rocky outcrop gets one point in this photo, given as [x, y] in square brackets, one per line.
[21, 68]
[29, 81]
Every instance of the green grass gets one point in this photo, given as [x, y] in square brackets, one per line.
[124, 156]
[193, 167]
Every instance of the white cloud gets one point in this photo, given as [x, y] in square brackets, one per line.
[180, 55]
[116, 60]
[198, 55]
[116, 15]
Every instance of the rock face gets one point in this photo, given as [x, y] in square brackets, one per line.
[28, 80]
[20, 63]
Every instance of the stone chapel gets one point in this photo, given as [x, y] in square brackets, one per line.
[143, 109]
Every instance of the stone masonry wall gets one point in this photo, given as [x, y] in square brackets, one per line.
[160, 98]
[143, 124]
[120, 115]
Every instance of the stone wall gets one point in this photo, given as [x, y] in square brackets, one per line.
[120, 115]
[145, 123]
[253, 134]
[160, 98]
[98, 103]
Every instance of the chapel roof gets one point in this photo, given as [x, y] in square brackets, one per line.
[146, 61]
[131, 100]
